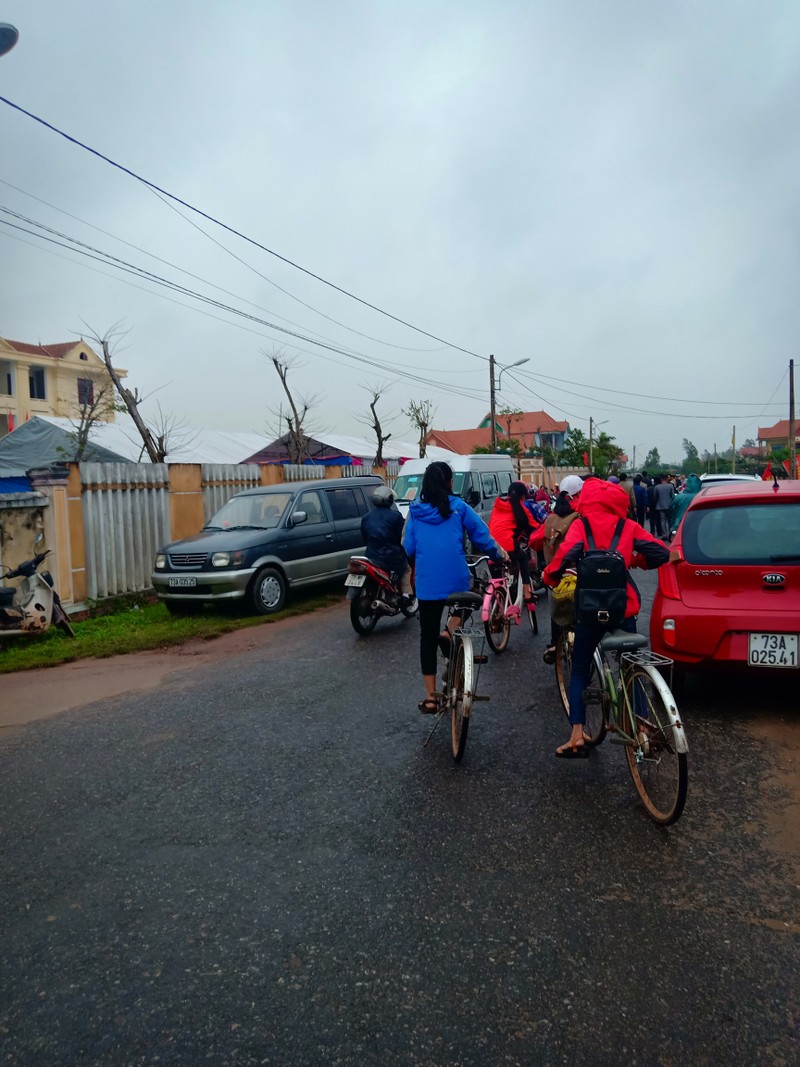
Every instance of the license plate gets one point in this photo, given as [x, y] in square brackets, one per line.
[773, 650]
[355, 579]
[182, 583]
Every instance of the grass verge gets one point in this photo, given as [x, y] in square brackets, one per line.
[136, 629]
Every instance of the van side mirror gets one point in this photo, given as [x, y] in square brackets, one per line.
[473, 498]
[299, 517]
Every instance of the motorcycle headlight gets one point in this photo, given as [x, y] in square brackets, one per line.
[161, 561]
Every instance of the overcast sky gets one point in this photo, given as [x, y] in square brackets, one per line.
[608, 189]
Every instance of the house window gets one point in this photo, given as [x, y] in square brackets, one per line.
[84, 356]
[6, 378]
[36, 383]
[85, 392]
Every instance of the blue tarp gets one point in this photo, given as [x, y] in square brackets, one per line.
[15, 485]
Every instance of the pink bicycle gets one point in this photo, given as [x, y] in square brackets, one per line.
[503, 603]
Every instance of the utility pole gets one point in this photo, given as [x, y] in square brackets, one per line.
[716, 465]
[792, 431]
[491, 403]
[634, 459]
[733, 458]
[590, 444]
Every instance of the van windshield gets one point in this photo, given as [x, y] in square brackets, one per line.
[408, 486]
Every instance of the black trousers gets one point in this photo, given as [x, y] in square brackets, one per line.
[430, 626]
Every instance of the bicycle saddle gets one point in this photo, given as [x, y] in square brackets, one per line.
[465, 600]
[622, 641]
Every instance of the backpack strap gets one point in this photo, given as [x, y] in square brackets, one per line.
[617, 534]
[590, 541]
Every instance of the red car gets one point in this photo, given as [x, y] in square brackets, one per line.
[730, 594]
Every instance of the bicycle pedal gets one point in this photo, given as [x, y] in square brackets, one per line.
[480, 659]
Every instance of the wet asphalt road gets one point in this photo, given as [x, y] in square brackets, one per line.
[260, 863]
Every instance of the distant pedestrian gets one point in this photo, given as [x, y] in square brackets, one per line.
[663, 495]
[640, 497]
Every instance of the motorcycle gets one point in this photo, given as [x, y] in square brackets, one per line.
[34, 605]
[372, 592]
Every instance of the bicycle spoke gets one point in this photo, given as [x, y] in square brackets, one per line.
[658, 768]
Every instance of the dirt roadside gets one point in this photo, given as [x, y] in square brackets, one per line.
[26, 696]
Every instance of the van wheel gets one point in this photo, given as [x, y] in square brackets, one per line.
[267, 591]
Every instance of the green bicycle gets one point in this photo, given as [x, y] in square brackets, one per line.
[628, 696]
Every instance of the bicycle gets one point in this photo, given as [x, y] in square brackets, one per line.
[503, 603]
[636, 704]
[463, 666]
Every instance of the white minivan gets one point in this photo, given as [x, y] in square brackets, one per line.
[477, 479]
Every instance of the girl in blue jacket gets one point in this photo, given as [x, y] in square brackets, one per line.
[434, 539]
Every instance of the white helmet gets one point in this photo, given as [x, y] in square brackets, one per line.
[383, 497]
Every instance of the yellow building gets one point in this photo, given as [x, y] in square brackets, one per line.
[62, 380]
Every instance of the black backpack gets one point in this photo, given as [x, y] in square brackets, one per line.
[601, 589]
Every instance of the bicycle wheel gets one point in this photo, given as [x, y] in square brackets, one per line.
[657, 760]
[460, 697]
[497, 626]
[595, 695]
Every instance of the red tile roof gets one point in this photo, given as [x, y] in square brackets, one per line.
[778, 432]
[55, 351]
[530, 422]
[460, 441]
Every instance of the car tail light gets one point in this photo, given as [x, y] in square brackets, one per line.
[668, 626]
[668, 576]
[356, 566]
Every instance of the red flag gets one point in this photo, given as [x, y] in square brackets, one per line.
[586, 458]
[787, 466]
[765, 477]
[10, 421]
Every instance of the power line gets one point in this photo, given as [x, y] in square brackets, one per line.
[98, 256]
[235, 232]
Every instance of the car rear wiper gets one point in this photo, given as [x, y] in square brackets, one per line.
[784, 559]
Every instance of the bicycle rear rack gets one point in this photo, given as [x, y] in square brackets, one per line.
[643, 657]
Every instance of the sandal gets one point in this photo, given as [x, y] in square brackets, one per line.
[549, 654]
[577, 749]
[429, 706]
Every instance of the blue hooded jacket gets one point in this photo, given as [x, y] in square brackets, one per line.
[437, 546]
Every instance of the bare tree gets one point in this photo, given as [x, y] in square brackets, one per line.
[156, 450]
[95, 405]
[421, 413]
[295, 419]
[374, 422]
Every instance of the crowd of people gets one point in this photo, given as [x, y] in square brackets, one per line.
[540, 532]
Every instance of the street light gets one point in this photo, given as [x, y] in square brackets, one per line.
[591, 424]
[8, 37]
[519, 363]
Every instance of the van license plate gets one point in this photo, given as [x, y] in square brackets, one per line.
[182, 583]
[773, 650]
[355, 579]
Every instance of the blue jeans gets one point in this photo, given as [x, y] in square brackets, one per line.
[587, 638]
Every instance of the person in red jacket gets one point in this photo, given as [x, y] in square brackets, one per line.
[511, 525]
[603, 504]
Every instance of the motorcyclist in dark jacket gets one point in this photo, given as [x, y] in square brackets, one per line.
[382, 530]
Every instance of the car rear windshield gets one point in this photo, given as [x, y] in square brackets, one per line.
[260, 509]
[408, 486]
[743, 533]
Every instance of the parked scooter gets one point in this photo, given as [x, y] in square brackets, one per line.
[372, 592]
[34, 605]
